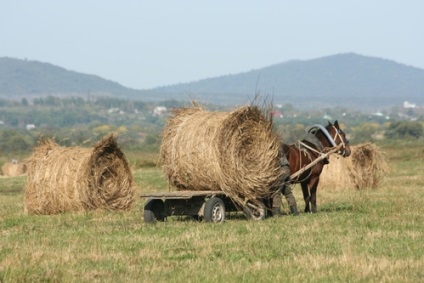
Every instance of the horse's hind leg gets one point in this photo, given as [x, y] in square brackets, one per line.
[306, 196]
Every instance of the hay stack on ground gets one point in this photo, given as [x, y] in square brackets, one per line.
[365, 168]
[236, 152]
[63, 179]
[337, 174]
[13, 169]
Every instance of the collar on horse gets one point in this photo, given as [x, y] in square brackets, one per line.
[312, 139]
[314, 128]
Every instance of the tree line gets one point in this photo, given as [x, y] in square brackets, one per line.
[77, 121]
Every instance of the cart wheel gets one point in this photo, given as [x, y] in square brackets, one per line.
[154, 211]
[214, 210]
[255, 211]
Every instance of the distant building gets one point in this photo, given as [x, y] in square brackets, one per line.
[30, 127]
[277, 114]
[112, 110]
[327, 117]
[407, 104]
[159, 111]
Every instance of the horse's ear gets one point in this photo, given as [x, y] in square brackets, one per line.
[336, 124]
[329, 123]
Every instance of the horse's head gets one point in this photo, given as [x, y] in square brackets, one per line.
[339, 137]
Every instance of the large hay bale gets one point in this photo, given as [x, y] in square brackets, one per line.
[236, 152]
[63, 179]
[365, 168]
[13, 169]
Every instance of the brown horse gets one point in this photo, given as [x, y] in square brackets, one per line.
[317, 141]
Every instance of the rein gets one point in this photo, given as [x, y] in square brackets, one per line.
[323, 156]
[303, 150]
[310, 148]
[303, 147]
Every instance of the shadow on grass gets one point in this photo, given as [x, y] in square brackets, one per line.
[229, 216]
[11, 191]
[10, 186]
[336, 207]
[193, 218]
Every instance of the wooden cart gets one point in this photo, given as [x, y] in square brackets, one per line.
[208, 205]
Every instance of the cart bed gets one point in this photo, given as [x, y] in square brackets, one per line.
[182, 194]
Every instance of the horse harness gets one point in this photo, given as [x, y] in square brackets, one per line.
[310, 137]
[337, 134]
[306, 150]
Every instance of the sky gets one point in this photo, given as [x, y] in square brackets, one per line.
[146, 44]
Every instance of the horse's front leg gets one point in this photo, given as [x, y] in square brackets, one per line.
[306, 196]
[313, 199]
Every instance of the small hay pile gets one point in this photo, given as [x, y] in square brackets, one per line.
[11, 169]
[236, 152]
[365, 168]
[63, 179]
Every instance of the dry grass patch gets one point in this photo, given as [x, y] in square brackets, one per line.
[372, 235]
[359, 267]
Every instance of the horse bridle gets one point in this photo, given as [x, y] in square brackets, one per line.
[338, 135]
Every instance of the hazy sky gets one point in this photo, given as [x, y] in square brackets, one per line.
[144, 44]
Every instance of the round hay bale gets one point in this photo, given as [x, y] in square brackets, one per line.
[369, 165]
[63, 179]
[236, 152]
[365, 168]
[13, 169]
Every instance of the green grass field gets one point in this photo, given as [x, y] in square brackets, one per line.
[369, 235]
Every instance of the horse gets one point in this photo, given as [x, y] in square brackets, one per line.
[316, 142]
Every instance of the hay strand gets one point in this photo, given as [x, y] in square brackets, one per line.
[63, 179]
[236, 152]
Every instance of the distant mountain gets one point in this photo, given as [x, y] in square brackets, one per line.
[23, 78]
[346, 80]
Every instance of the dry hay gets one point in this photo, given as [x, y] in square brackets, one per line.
[236, 152]
[365, 168]
[61, 179]
[11, 169]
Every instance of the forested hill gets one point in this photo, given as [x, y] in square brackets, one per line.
[23, 78]
[347, 80]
